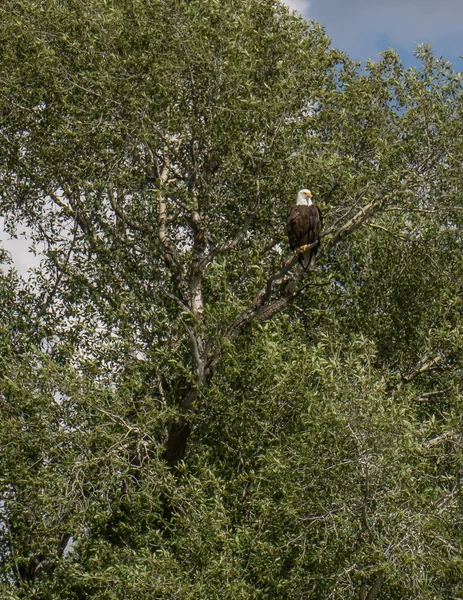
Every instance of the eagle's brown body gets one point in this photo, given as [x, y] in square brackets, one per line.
[304, 228]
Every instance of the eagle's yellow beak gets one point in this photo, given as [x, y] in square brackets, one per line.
[309, 194]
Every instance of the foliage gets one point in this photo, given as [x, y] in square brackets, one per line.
[185, 412]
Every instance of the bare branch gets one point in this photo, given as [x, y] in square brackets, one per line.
[115, 418]
[61, 269]
[178, 301]
[241, 232]
[411, 210]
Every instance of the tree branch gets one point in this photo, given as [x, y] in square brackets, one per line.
[374, 591]
[169, 250]
[365, 213]
[120, 213]
[198, 261]
[422, 366]
[261, 310]
[391, 233]
[239, 236]
[427, 396]
[74, 210]
[345, 214]
[60, 270]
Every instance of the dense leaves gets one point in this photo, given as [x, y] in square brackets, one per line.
[185, 413]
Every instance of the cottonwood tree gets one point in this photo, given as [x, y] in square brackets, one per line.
[200, 416]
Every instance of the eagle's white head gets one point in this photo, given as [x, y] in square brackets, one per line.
[304, 197]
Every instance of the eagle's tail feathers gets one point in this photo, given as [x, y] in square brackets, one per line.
[305, 259]
[312, 261]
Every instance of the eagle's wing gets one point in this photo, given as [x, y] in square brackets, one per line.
[320, 217]
[297, 226]
[314, 225]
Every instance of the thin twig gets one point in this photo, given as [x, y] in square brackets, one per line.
[120, 213]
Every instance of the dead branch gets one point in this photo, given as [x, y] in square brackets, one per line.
[410, 210]
[234, 243]
[61, 269]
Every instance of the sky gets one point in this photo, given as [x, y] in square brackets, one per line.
[18, 248]
[362, 28]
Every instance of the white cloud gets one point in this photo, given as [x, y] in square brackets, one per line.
[302, 6]
[357, 25]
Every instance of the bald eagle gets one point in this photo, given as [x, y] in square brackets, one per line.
[304, 228]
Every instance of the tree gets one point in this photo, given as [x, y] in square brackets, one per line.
[201, 417]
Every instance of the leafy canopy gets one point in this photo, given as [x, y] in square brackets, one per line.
[185, 413]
